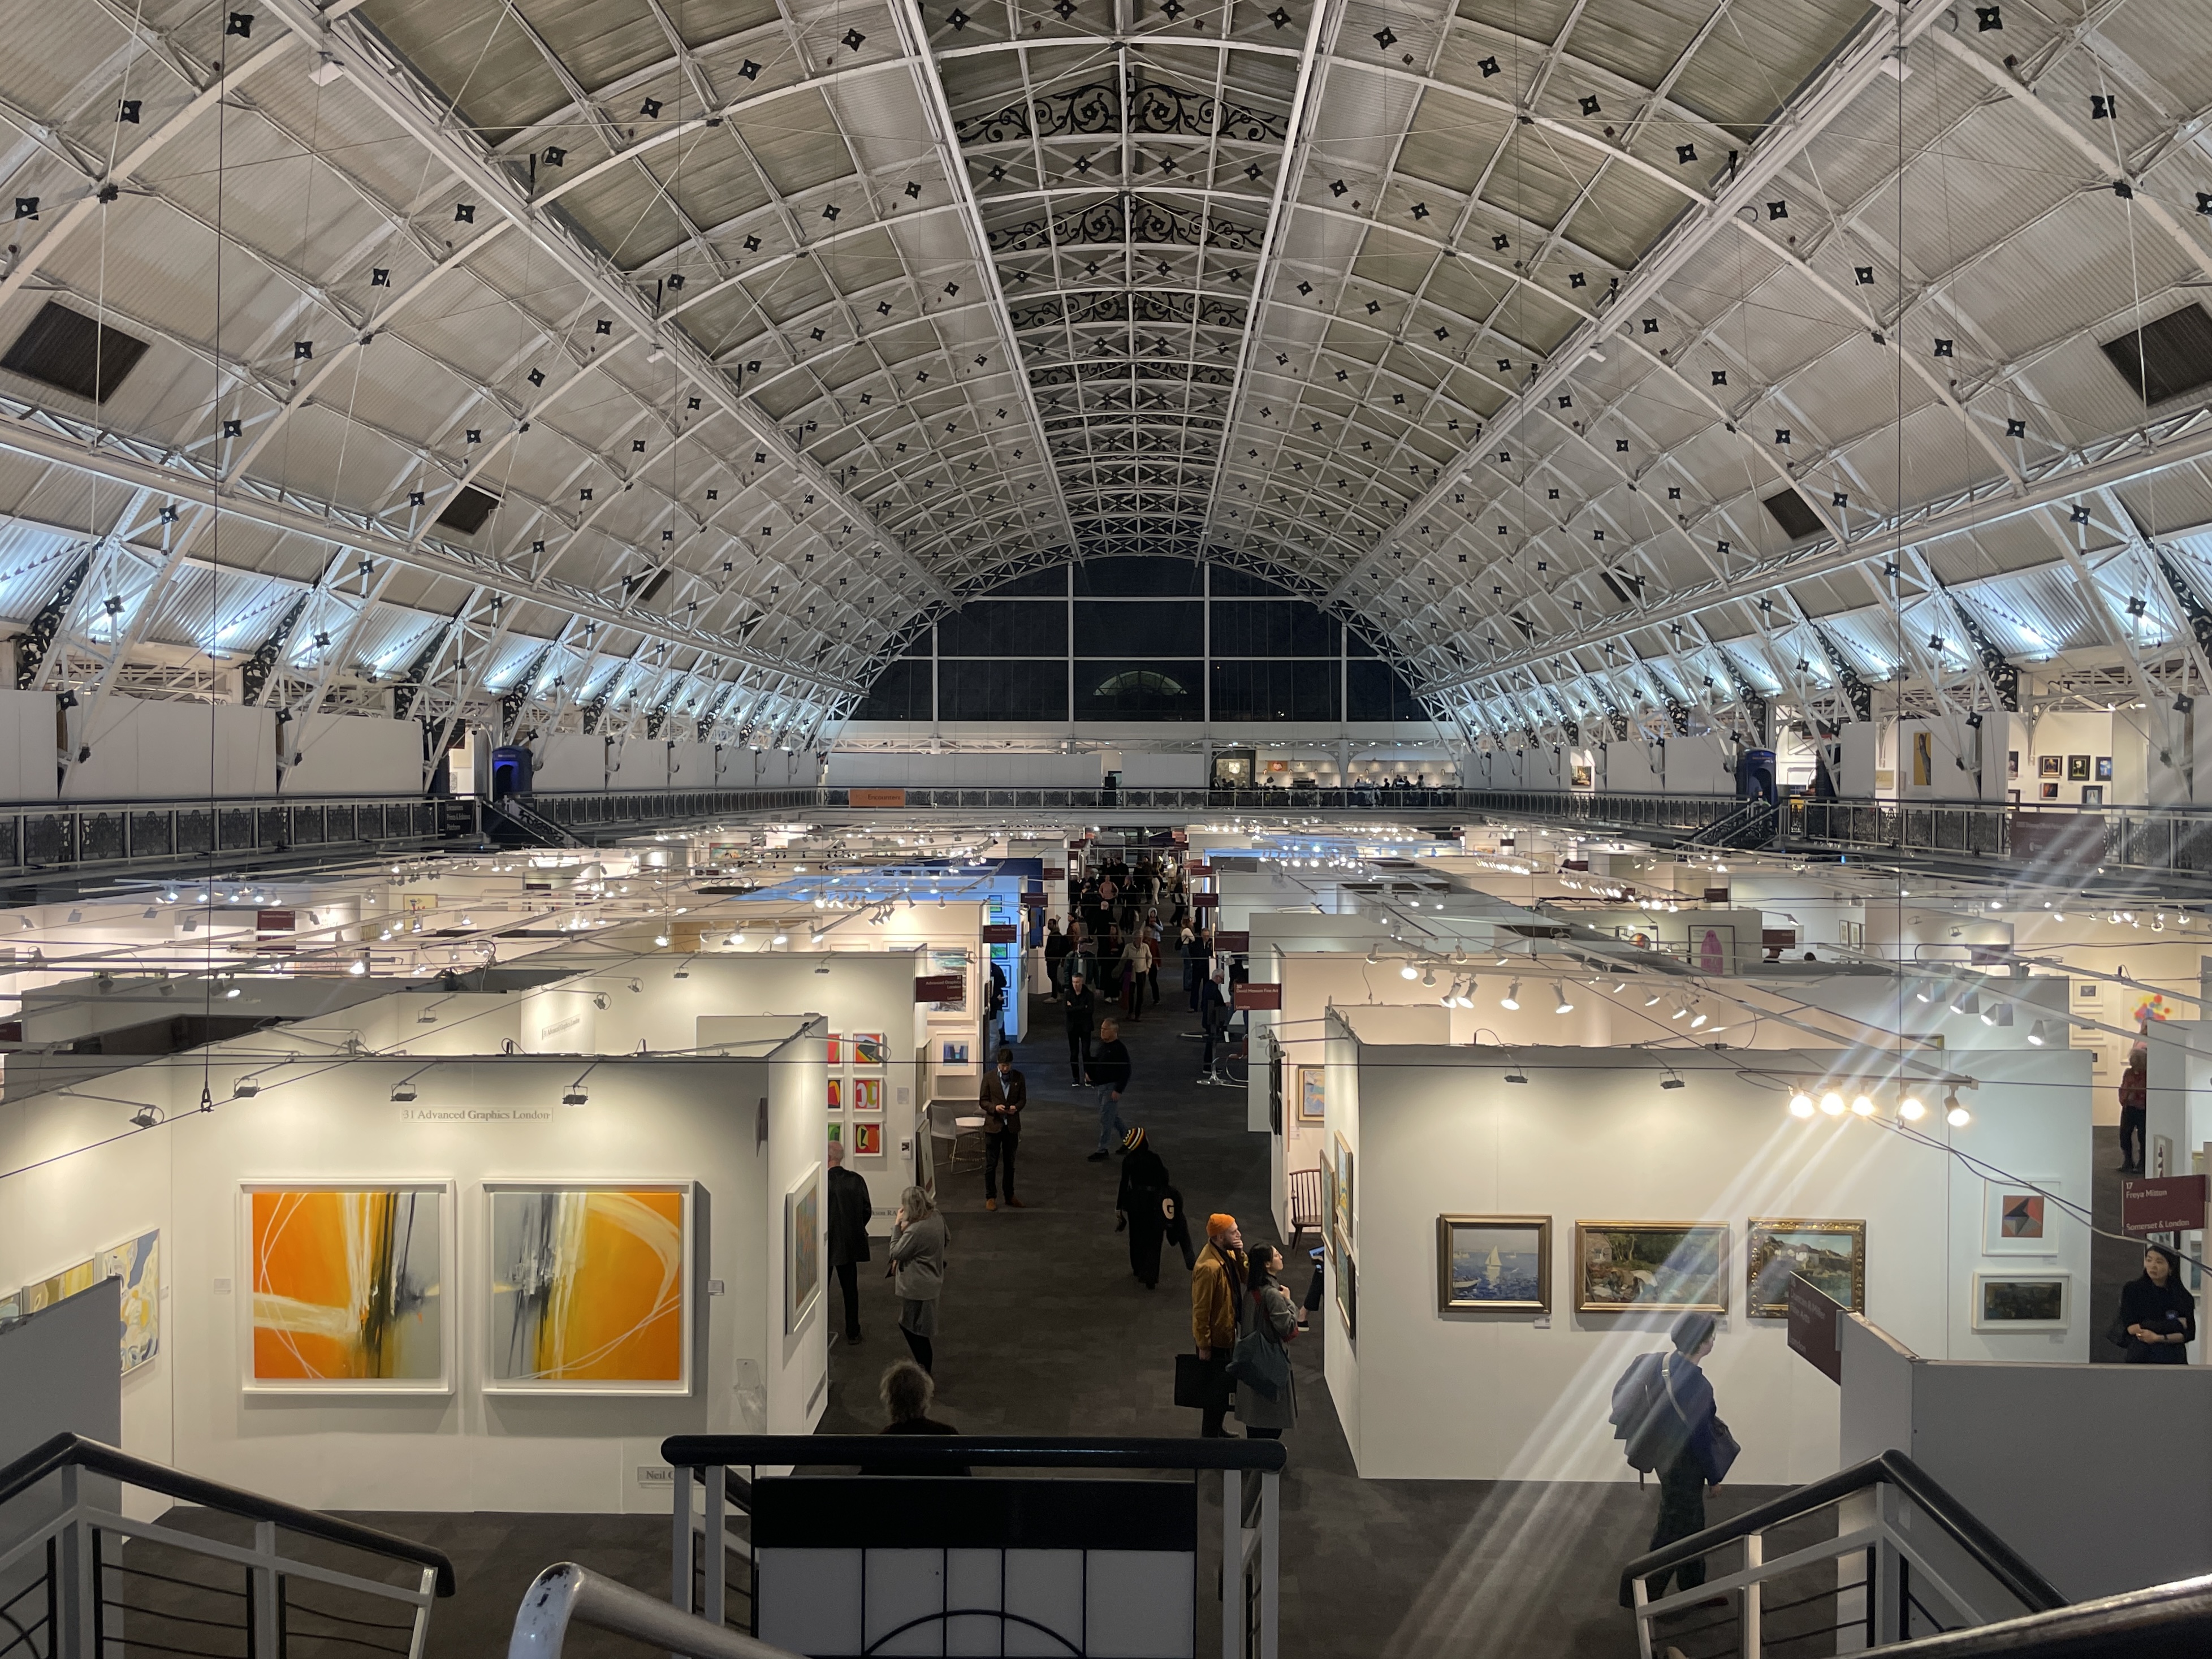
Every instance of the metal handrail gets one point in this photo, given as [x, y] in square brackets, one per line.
[1994, 1557]
[566, 1594]
[959, 1451]
[75, 1451]
[2145, 1624]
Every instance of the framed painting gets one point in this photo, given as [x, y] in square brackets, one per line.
[868, 1094]
[55, 1288]
[2050, 766]
[1494, 1263]
[2047, 792]
[867, 1141]
[1313, 1094]
[1347, 1295]
[802, 1247]
[836, 1049]
[2012, 763]
[2104, 769]
[2093, 794]
[1659, 1266]
[954, 1053]
[2021, 1217]
[590, 1287]
[869, 1048]
[1923, 758]
[1344, 1212]
[1831, 1254]
[137, 1264]
[2025, 1301]
[836, 1087]
[2077, 768]
[345, 1288]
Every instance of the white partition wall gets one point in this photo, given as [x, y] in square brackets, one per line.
[1592, 1136]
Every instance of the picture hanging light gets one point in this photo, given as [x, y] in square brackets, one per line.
[1922, 993]
[1515, 1075]
[360, 966]
[404, 1090]
[2035, 1035]
[1966, 1002]
[1559, 995]
[1831, 1103]
[1408, 970]
[1801, 1104]
[1954, 1114]
[1671, 1081]
[781, 938]
[1911, 1109]
[1698, 1019]
[1652, 1000]
[1862, 1105]
[1512, 1000]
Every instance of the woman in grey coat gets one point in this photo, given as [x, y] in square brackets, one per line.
[1276, 1319]
[918, 1242]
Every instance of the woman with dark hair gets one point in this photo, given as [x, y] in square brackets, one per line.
[1275, 1319]
[2158, 1317]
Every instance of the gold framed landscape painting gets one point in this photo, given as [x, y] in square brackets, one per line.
[591, 1288]
[1654, 1266]
[346, 1288]
[1494, 1263]
[1832, 1254]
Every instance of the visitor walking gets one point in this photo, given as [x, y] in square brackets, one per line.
[849, 1207]
[2158, 1318]
[1079, 1008]
[1004, 1093]
[2135, 1098]
[1155, 942]
[1081, 958]
[1187, 947]
[1275, 1321]
[1150, 1207]
[919, 1239]
[1684, 1434]
[1136, 964]
[1109, 1075]
[1212, 1018]
[1217, 1314]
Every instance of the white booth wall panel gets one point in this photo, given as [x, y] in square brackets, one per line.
[359, 754]
[690, 764]
[29, 754]
[963, 769]
[1148, 771]
[1435, 1131]
[144, 750]
[575, 760]
[647, 1119]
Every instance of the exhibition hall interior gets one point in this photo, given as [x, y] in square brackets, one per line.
[1137, 829]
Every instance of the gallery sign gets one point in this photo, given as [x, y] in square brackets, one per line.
[2162, 1204]
[1207, 901]
[940, 987]
[1235, 944]
[275, 922]
[1251, 995]
[1812, 1315]
[1000, 932]
[876, 797]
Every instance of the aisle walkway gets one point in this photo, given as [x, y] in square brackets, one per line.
[1044, 1330]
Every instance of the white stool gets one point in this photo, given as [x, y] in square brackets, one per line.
[966, 1143]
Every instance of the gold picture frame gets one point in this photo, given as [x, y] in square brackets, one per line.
[1640, 1267]
[1494, 1264]
[1777, 1247]
[1313, 1094]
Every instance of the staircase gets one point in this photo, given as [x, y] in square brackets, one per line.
[1751, 824]
[512, 821]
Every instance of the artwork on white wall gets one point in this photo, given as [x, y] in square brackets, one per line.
[1494, 1263]
[590, 1287]
[138, 1263]
[2028, 1300]
[2021, 1217]
[1658, 1267]
[346, 1287]
[1832, 1254]
[802, 1247]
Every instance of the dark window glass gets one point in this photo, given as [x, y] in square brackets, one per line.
[1274, 691]
[1356, 647]
[1375, 692]
[1139, 578]
[901, 693]
[1242, 585]
[1009, 690]
[1139, 690]
[1271, 628]
[1041, 584]
[1166, 629]
[1007, 628]
[923, 644]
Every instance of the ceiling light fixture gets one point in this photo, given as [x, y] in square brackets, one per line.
[1831, 1103]
[1801, 1104]
[1511, 999]
[1559, 995]
[1911, 1109]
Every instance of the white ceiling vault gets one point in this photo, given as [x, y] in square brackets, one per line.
[641, 361]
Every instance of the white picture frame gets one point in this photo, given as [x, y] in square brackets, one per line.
[1994, 1309]
[803, 1256]
[2008, 1227]
[252, 1304]
[493, 1280]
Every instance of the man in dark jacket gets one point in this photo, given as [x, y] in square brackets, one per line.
[1109, 1075]
[850, 1206]
[1079, 1007]
[1685, 1462]
[1149, 1207]
[1212, 1018]
[1004, 1093]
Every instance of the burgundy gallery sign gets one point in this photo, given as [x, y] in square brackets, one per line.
[1000, 932]
[2162, 1204]
[940, 987]
[1235, 944]
[1250, 995]
[1813, 1314]
[275, 922]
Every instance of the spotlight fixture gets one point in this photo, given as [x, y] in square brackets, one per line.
[229, 991]
[1922, 993]
[1800, 1104]
[1408, 971]
[2035, 1035]
[145, 1117]
[1515, 1075]
[1428, 977]
[1371, 957]
[1559, 996]
[403, 1090]
[360, 967]
[1652, 1001]
[245, 1089]
[1911, 1109]
[577, 1095]
[1670, 1081]
[1831, 1103]
[1699, 1019]
[1862, 1105]
[1964, 1001]
[781, 938]
[661, 939]
[1954, 1114]
[1512, 1000]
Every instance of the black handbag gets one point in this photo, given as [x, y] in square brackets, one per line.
[1196, 1382]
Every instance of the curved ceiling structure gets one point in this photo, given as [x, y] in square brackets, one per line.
[643, 361]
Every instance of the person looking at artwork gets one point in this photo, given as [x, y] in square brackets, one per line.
[1275, 1320]
[1681, 1427]
[1150, 1208]
[1056, 945]
[1078, 1007]
[918, 1243]
[849, 1207]
[2134, 1098]
[1110, 1074]
[1217, 1314]
[1004, 1093]
[908, 1392]
[2158, 1317]
[1212, 1016]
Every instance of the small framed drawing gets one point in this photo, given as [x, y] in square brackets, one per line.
[955, 1054]
[802, 1247]
[868, 1094]
[836, 1049]
[836, 1094]
[1664, 1266]
[867, 1141]
[1347, 1295]
[2093, 794]
[2029, 1300]
[1313, 1094]
[2046, 791]
[2021, 1217]
[1831, 1254]
[2077, 768]
[2104, 769]
[2050, 766]
[1494, 1263]
[346, 1289]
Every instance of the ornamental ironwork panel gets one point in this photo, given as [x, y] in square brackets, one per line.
[274, 828]
[153, 835]
[235, 828]
[102, 837]
[1119, 219]
[307, 826]
[1128, 305]
[10, 842]
[1094, 109]
[339, 824]
[195, 832]
[49, 837]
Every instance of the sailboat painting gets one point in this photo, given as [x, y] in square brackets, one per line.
[1494, 1263]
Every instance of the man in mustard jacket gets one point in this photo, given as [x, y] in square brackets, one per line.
[1217, 1312]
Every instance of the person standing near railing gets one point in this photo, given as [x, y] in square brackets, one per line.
[919, 1239]
[1217, 1314]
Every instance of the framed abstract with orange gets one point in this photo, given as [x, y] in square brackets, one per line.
[591, 1288]
[345, 1289]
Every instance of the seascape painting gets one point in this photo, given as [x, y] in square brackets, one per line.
[588, 1289]
[347, 1288]
[1832, 1254]
[1494, 1263]
[1662, 1266]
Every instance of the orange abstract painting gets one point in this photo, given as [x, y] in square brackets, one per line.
[345, 1286]
[588, 1288]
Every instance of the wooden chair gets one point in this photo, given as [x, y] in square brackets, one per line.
[1305, 1202]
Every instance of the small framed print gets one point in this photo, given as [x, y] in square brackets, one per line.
[2012, 763]
[1313, 1094]
[954, 1053]
[2104, 769]
[1345, 1212]
[2021, 1217]
[836, 1094]
[2093, 794]
[836, 1049]
[2047, 792]
[2025, 1301]
[2077, 768]
[867, 1141]
[869, 1048]
[2050, 766]
[868, 1094]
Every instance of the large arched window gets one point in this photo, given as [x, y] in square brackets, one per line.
[1145, 639]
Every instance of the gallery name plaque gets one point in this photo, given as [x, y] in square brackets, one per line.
[475, 1114]
[1813, 1316]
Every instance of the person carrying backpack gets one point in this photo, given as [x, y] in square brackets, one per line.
[1663, 1409]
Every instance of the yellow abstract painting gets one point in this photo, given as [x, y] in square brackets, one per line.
[588, 1288]
[345, 1288]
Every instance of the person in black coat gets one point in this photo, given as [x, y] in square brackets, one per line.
[1688, 1463]
[2157, 1315]
[1078, 1007]
[1150, 1207]
[850, 1206]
